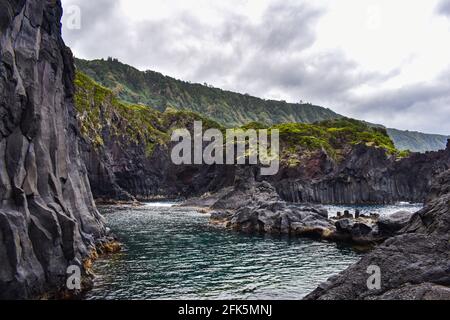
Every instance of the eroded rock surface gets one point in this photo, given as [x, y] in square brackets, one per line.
[366, 175]
[413, 265]
[48, 219]
[255, 207]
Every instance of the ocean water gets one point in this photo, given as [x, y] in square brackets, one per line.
[174, 253]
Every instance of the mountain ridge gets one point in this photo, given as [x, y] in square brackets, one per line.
[228, 108]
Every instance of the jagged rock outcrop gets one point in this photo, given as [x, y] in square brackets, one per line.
[369, 230]
[366, 175]
[257, 208]
[413, 265]
[48, 219]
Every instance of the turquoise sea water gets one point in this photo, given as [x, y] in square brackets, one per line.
[173, 253]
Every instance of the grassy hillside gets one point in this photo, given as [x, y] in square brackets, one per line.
[99, 109]
[227, 108]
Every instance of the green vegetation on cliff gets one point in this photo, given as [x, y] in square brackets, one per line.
[97, 106]
[227, 108]
[101, 113]
[333, 136]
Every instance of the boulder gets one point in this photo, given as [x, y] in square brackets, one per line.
[389, 225]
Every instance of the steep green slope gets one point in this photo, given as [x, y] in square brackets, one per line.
[137, 124]
[417, 141]
[228, 108]
[132, 124]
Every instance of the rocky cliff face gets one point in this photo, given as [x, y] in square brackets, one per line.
[126, 149]
[413, 265]
[48, 219]
[366, 175]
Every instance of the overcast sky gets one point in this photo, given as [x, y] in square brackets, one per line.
[382, 61]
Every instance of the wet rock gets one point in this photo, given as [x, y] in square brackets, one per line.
[358, 231]
[344, 225]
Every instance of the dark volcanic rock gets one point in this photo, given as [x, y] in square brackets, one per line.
[48, 219]
[370, 230]
[358, 231]
[275, 217]
[389, 225]
[256, 208]
[246, 191]
[413, 265]
[122, 169]
[366, 175]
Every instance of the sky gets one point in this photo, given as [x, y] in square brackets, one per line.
[382, 61]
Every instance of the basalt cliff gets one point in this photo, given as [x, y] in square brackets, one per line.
[126, 148]
[365, 175]
[48, 219]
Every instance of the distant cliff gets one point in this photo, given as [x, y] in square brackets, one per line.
[365, 175]
[417, 141]
[126, 148]
[48, 219]
[227, 108]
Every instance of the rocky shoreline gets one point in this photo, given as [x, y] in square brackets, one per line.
[413, 264]
[256, 207]
[412, 250]
[267, 213]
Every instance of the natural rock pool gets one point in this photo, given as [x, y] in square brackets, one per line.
[174, 253]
